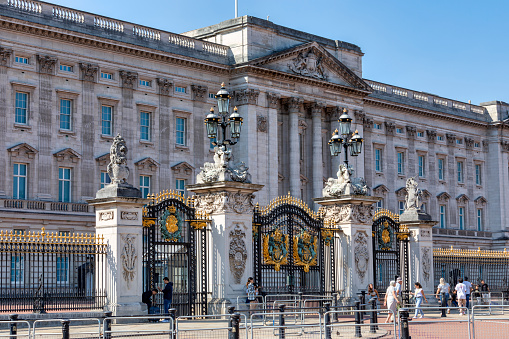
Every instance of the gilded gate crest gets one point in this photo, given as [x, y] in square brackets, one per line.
[305, 250]
[385, 237]
[170, 224]
[275, 249]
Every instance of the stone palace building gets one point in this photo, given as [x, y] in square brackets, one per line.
[71, 80]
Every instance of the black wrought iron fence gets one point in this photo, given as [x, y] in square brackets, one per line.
[43, 271]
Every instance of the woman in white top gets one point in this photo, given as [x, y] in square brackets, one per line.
[419, 295]
[443, 291]
[461, 295]
[391, 300]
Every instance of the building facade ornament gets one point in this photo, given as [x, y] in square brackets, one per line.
[224, 202]
[165, 86]
[223, 169]
[261, 123]
[432, 135]
[199, 92]
[368, 123]
[426, 263]
[5, 56]
[294, 104]
[247, 96]
[88, 72]
[272, 100]
[316, 108]
[360, 116]
[129, 258]
[105, 216]
[46, 64]
[469, 143]
[360, 213]
[117, 168]
[308, 64]
[451, 138]
[345, 184]
[390, 127]
[413, 196]
[237, 253]
[504, 145]
[128, 79]
[411, 131]
[485, 145]
[129, 215]
[361, 255]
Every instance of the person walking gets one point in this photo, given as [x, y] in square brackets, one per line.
[443, 291]
[468, 285]
[484, 289]
[251, 293]
[372, 292]
[398, 289]
[419, 296]
[461, 295]
[167, 295]
[391, 301]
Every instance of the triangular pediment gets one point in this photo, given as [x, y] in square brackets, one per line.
[182, 168]
[380, 190]
[147, 163]
[103, 159]
[311, 60]
[67, 154]
[22, 150]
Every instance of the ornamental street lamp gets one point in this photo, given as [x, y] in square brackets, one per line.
[337, 141]
[224, 120]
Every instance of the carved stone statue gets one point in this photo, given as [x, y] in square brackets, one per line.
[117, 168]
[345, 184]
[413, 195]
[222, 169]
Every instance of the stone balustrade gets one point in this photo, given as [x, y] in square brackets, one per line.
[81, 19]
[425, 97]
[462, 233]
[36, 205]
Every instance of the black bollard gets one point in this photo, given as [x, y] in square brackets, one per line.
[281, 321]
[358, 331]
[65, 328]
[328, 330]
[107, 324]
[234, 326]
[403, 323]
[363, 303]
[173, 316]
[14, 326]
[374, 316]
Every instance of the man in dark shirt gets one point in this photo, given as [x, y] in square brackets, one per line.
[146, 298]
[168, 294]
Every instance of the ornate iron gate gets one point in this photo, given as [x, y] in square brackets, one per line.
[292, 249]
[174, 246]
[390, 251]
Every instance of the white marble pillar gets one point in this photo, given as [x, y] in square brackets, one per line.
[294, 106]
[316, 112]
[273, 148]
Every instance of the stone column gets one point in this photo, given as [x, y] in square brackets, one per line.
[5, 61]
[272, 130]
[432, 163]
[230, 206]
[452, 179]
[316, 113]
[201, 141]
[294, 106]
[353, 214]
[420, 258]
[389, 168]
[128, 116]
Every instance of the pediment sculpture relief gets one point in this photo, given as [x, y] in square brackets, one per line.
[308, 65]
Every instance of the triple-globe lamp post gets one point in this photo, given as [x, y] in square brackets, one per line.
[341, 139]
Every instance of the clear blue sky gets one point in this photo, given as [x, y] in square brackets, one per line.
[456, 49]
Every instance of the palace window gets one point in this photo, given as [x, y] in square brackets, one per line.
[21, 60]
[480, 223]
[380, 204]
[459, 167]
[180, 185]
[378, 160]
[105, 179]
[420, 134]
[401, 207]
[377, 125]
[459, 141]
[212, 96]
[146, 83]
[107, 120]
[478, 179]
[461, 218]
[477, 145]
[443, 217]
[64, 184]
[422, 165]
[441, 169]
[181, 131]
[180, 89]
[19, 182]
[62, 269]
[106, 75]
[145, 126]
[440, 137]
[401, 162]
[17, 268]
[211, 145]
[399, 130]
[66, 68]
[21, 108]
[144, 185]
[65, 114]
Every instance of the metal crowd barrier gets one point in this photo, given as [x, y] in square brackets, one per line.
[437, 327]
[352, 324]
[282, 329]
[490, 321]
[160, 325]
[231, 330]
[76, 331]
[15, 328]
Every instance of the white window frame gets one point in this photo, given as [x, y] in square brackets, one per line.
[441, 172]
[180, 185]
[66, 68]
[107, 75]
[401, 162]
[376, 125]
[421, 165]
[181, 89]
[401, 206]
[461, 217]
[70, 115]
[460, 171]
[145, 83]
[22, 60]
[62, 181]
[60, 269]
[21, 109]
[380, 204]
[17, 268]
[184, 131]
[145, 189]
[105, 179]
[399, 130]
[16, 179]
[442, 212]
[478, 174]
[147, 126]
[480, 219]
[379, 160]
[110, 121]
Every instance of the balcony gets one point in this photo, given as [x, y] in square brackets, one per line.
[461, 233]
[45, 206]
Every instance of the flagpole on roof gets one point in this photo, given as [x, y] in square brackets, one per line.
[236, 8]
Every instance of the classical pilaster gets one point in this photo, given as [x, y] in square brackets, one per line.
[273, 136]
[128, 116]
[412, 158]
[316, 114]
[368, 151]
[46, 67]
[358, 161]
[451, 177]
[389, 169]
[89, 112]
[5, 56]
[201, 141]
[432, 163]
[165, 90]
[294, 108]
[334, 113]
[230, 207]
[470, 182]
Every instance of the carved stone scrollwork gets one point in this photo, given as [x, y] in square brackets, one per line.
[426, 263]
[129, 215]
[88, 72]
[316, 108]
[505, 146]
[165, 86]
[451, 138]
[224, 202]
[237, 253]
[105, 216]
[199, 92]
[261, 123]
[361, 256]
[5, 55]
[272, 100]
[469, 143]
[246, 96]
[432, 135]
[308, 64]
[485, 145]
[411, 131]
[368, 123]
[349, 213]
[128, 79]
[294, 104]
[46, 64]
[390, 127]
[129, 258]
[359, 117]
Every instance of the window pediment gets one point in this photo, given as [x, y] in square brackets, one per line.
[182, 168]
[22, 150]
[481, 201]
[103, 159]
[400, 192]
[147, 164]
[380, 190]
[67, 154]
[462, 199]
[443, 197]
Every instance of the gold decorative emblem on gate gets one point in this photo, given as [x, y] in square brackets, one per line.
[327, 236]
[170, 224]
[385, 238]
[275, 249]
[305, 250]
